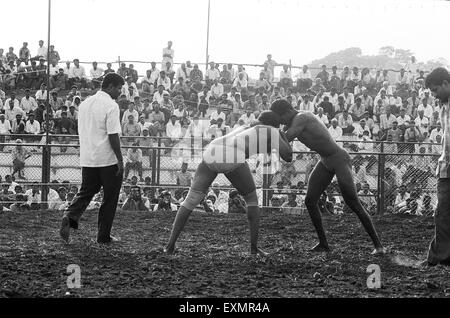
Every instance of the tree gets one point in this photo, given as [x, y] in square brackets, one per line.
[387, 51]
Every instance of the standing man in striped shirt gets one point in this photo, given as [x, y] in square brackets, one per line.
[100, 158]
[438, 81]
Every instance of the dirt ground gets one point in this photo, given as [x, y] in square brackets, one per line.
[212, 258]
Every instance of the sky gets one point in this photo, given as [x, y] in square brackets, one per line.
[241, 31]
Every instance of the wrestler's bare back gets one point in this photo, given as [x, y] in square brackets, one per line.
[313, 134]
[249, 141]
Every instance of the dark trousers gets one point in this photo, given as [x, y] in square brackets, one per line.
[439, 251]
[92, 180]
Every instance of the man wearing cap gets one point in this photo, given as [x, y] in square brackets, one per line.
[100, 158]
[335, 131]
[361, 127]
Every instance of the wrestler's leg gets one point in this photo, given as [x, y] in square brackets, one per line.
[348, 190]
[203, 178]
[242, 179]
[319, 180]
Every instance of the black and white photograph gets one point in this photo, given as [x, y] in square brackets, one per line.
[223, 155]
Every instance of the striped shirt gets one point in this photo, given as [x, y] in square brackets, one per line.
[443, 169]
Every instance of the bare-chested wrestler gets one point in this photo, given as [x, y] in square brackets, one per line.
[334, 161]
[228, 155]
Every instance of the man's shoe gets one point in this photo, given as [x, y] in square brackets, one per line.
[64, 231]
[112, 240]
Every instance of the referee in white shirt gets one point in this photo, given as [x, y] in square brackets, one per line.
[100, 158]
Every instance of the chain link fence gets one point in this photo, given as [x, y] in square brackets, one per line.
[390, 177]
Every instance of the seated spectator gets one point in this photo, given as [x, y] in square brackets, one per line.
[135, 201]
[428, 209]
[28, 103]
[131, 129]
[133, 73]
[5, 129]
[412, 135]
[77, 75]
[159, 95]
[308, 106]
[381, 103]
[395, 102]
[304, 79]
[41, 95]
[181, 112]
[426, 108]
[321, 116]
[32, 126]
[349, 98]
[218, 129]
[134, 161]
[157, 118]
[248, 117]
[181, 87]
[367, 198]
[164, 81]
[395, 133]
[357, 110]
[236, 204]
[366, 144]
[318, 86]
[18, 125]
[291, 205]
[335, 131]
[421, 120]
[361, 127]
[173, 130]
[108, 69]
[221, 203]
[130, 111]
[96, 76]
[165, 203]
[285, 77]
[241, 84]
[401, 198]
[346, 122]
[386, 120]
[167, 103]
[184, 177]
[403, 119]
[33, 196]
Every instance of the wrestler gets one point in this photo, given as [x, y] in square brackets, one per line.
[228, 155]
[334, 161]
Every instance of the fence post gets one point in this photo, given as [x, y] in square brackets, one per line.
[381, 187]
[45, 178]
[158, 165]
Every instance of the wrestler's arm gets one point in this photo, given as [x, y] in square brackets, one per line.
[285, 148]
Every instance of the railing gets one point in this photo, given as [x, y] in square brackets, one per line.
[162, 161]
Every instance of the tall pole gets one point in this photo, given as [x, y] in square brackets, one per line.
[207, 38]
[46, 149]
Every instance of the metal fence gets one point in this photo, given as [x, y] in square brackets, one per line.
[380, 169]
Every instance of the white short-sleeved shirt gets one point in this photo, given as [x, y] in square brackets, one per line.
[98, 117]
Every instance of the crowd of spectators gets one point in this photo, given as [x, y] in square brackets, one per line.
[354, 104]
